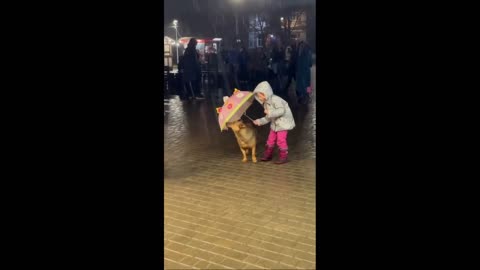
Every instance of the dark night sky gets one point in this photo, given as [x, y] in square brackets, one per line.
[191, 20]
[193, 17]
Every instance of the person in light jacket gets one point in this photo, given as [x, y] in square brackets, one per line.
[280, 117]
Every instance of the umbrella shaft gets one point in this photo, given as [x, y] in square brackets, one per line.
[248, 117]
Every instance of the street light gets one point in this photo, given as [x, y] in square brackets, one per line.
[175, 24]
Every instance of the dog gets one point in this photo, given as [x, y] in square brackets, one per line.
[246, 136]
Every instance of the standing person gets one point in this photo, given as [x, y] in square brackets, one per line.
[243, 67]
[256, 67]
[263, 65]
[201, 61]
[280, 117]
[191, 70]
[288, 53]
[291, 64]
[302, 76]
[233, 59]
[223, 85]
[282, 58]
[213, 68]
[277, 59]
[180, 80]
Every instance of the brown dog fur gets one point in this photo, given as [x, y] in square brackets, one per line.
[246, 136]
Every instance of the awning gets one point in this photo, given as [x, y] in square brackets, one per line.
[168, 40]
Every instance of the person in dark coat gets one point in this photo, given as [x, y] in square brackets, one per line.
[243, 67]
[291, 64]
[277, 59]
[302, 74]
[191, 70]
[180, 81]
[213, 68]
[233, 58]
[263, 65]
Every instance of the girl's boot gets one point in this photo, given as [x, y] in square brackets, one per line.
[283, 157]
[267, 155]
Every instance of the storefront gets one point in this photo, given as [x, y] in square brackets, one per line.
[168, 52]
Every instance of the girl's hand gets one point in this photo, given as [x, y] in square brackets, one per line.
[256, 122]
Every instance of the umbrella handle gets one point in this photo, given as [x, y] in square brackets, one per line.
[245, 113]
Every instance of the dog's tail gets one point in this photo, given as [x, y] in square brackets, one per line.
[246, 151]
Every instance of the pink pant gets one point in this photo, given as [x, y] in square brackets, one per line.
[279, 137]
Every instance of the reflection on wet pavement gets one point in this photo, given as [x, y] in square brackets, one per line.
[193, 124]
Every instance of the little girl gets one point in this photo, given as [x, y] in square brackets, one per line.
[280, 116]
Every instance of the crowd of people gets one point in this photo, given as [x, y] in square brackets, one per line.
[240, 68]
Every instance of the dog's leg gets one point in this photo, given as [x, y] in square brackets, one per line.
[254, 157]
[244, 155]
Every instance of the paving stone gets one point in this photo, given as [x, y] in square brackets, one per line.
[273, 247]
[238, 255]
[307, 241]
[233, 264]
[204, 255]
[305, 248]
[240, 247]
[222, 213]
[305, 256]
[168, 264]
[177, 247]
[201, 264]
[289, 261]
[251, 259]
[216, 266]
[217, 259]
[173, 256]
[305, 265]
[181, 239]
[190, 261]
[266, 264]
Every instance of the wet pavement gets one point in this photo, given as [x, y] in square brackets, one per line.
[221, 213]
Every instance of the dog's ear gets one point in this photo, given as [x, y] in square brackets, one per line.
[241, 125]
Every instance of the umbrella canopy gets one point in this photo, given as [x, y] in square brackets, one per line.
[234, 107]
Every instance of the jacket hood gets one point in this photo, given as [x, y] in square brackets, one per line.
[265, 88]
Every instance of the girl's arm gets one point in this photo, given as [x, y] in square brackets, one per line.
[262, 121]
[276, 112]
